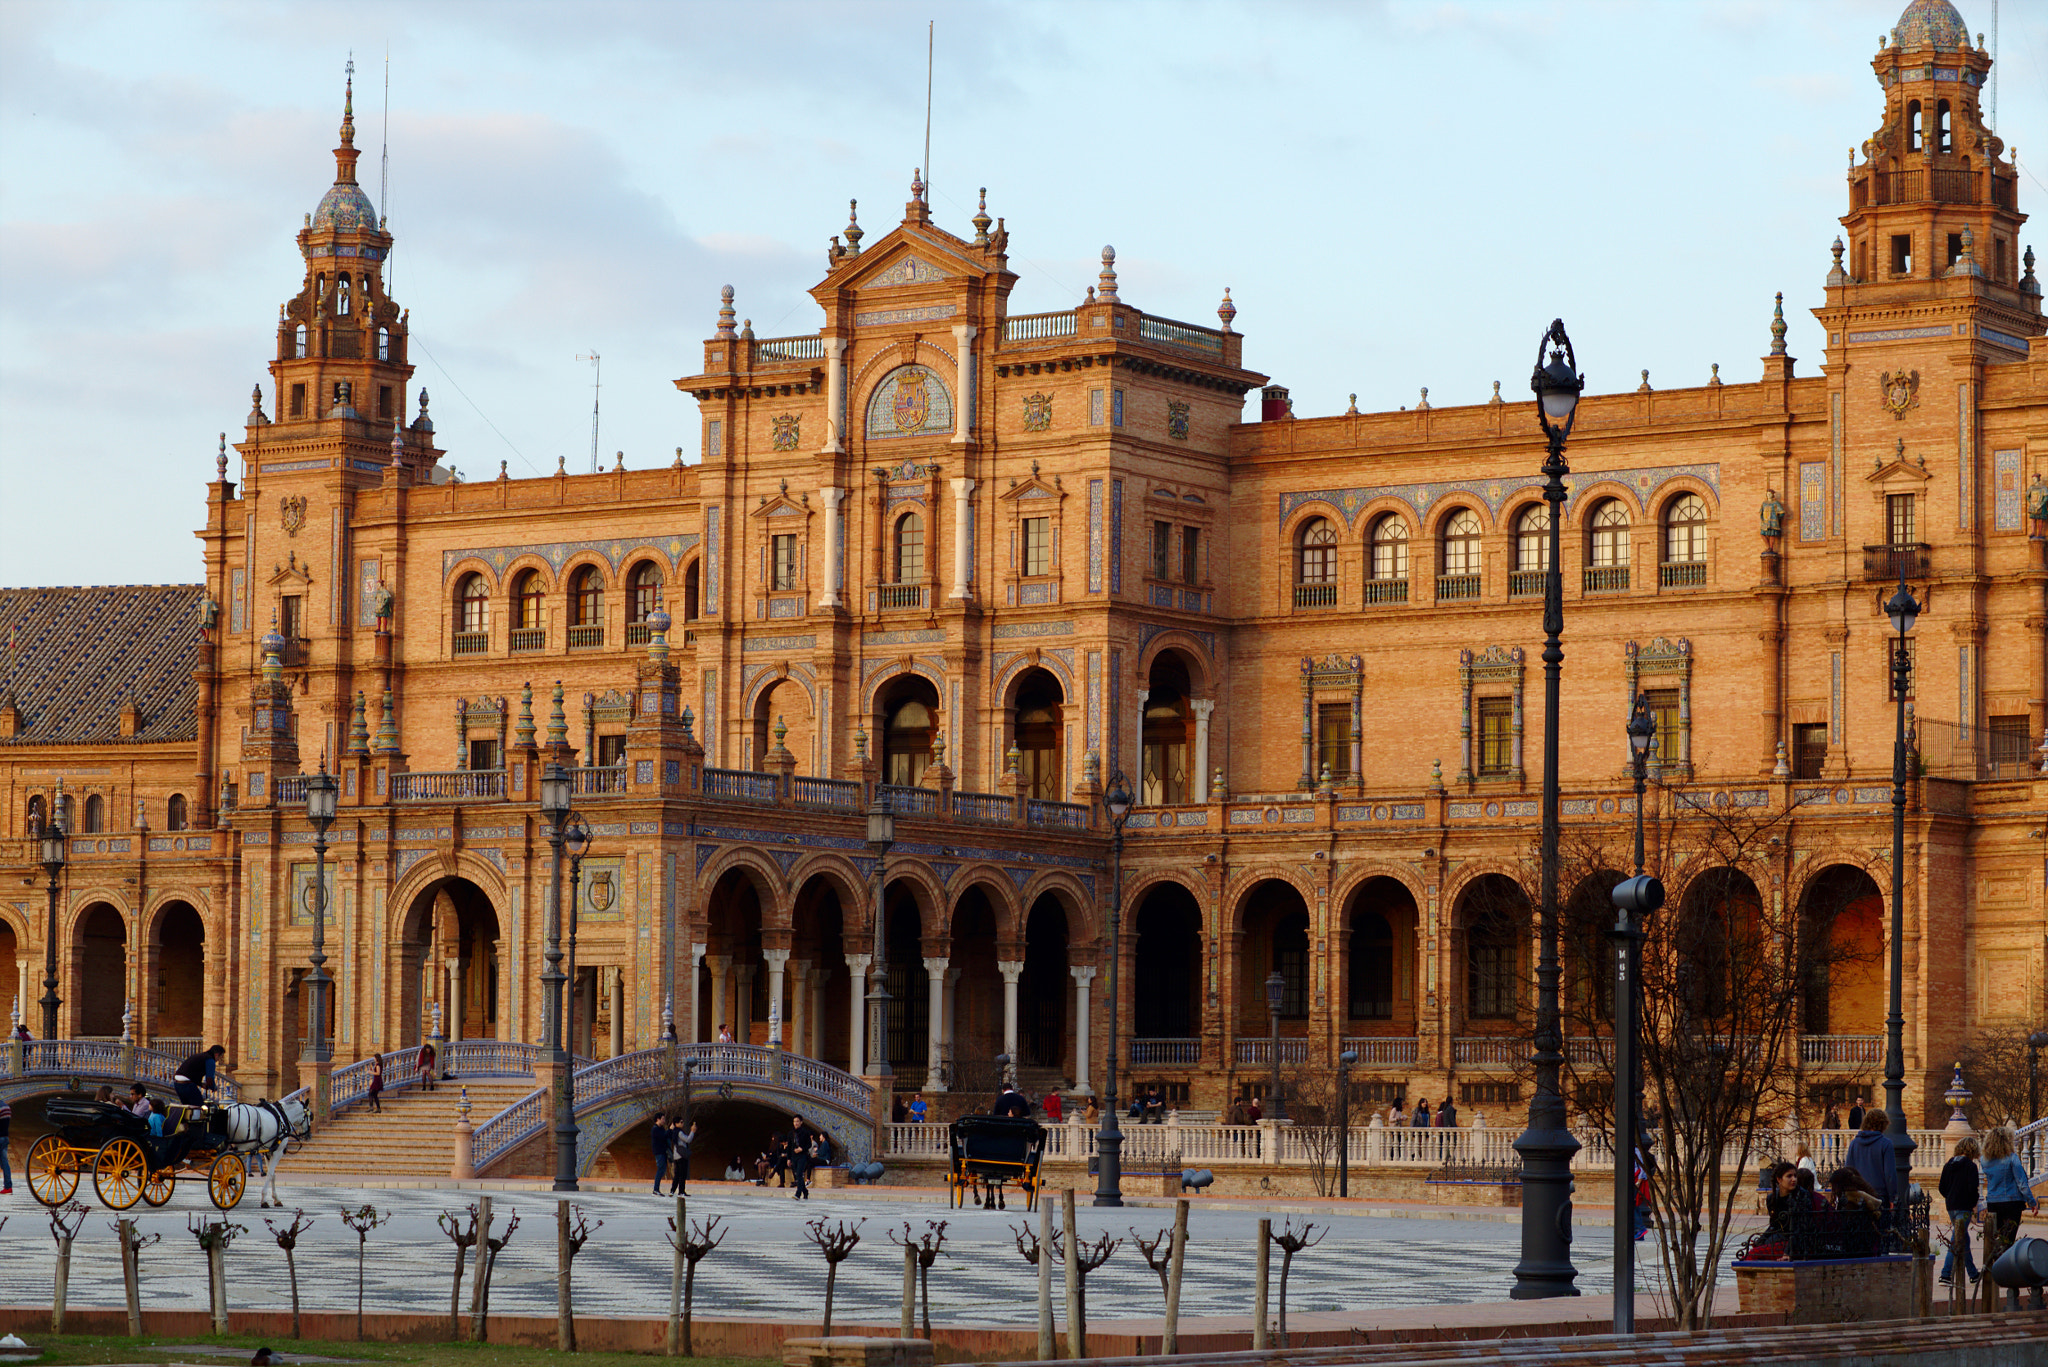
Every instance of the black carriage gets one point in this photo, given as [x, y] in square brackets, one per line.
[989, 1152]
[127, 1162]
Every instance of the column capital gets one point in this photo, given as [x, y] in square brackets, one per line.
[719, 963]
[831, 496]
[937, 965]
[776, 959]
[858, 963]
[1202, 707]
[1011, 969]
[1083, 974]
[963, 486]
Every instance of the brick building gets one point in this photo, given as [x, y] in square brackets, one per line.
[993, 560]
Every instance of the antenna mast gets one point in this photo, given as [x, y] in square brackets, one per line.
[1994, 65]
[930, 26]
[384, 170]
[596, 388]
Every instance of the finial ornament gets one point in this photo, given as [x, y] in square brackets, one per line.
[1352, 411]
[1778, 325]
[2028, 284]
[981, 220]
[726, 315]
[917, 184]
[853, 232]
[220, 462]
[1226, 310]
[1106, 281]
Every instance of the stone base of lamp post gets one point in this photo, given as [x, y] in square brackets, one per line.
[317, 1075]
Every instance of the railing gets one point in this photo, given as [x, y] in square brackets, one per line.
[489, 1058]
[773, 349]
[1315, 595]
[447, 785]
[1450, 587]
[1489, 1051]
[586, 638]
[1166, 1053]
[1070, 816]
[1034, 327]
[1840, 1051]
[1184, 335]
[470, 643]
[1682, 574]
[509, 1128]
[1258, 1053]
[97, 1058]
[1525, 583]
[994, 809]
[525, 640]
[834, 794]
[599, 778]
[910, 801]
[1940, 185]
[900, 595]
[1386, 590]
[821, 1079]
[639, 1071]
[1606, 578]
[177, 1046]
[1882, 564]
[740, 785]
[918, 1141]
[291, 790]
[638, 633]
[1382, 1050]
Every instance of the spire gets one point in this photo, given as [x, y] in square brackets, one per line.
[220, 462]
[981, 219]
[726, 315]
[853, 232]
[397, 443]
[1778, 326]
[1106, 281]
[257, 417]
[523, 732]
[917, 184]
[346, 154]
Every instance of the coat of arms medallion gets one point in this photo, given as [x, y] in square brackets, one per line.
[1037, 412]
[1177, 420]
[913, 401]
[785, 431]
[292, 513]
[1901, 391]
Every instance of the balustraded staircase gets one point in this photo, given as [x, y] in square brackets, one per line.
[414, 1137]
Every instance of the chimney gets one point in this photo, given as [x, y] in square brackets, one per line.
[1273, 403]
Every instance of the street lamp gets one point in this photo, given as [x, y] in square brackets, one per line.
[576, 838]
[1904, 609]
[54, 843]
[555, 787]
[1276, 988]
[1344, 1062]
[1109, 1140]
[1547, 1145]
[881, 835]
[2036, 1042]
[320, 794]
[1633, 898]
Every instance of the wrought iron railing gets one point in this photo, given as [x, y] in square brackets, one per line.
[1450, 587]
[1909, 560]
[1682, 574]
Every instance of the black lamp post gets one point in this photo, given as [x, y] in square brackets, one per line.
[1344, 1062]
[54, 842]
[1904, 609]
[576, 839]
[555, 787]
[1109, 1139]
[881, 835]
[1633, 897]
[2036, 1042]
[318, 1053]
[1276, 989]
[1547, 1145]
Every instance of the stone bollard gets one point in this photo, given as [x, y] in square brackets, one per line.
[464, 1166]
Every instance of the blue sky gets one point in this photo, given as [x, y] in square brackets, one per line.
[1398, 194]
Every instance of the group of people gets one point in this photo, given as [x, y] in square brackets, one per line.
[791, 1156]
[1997, 1191]
[1445, 1116]
[671, 1144]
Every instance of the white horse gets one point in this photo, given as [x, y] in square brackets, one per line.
[267, 1129]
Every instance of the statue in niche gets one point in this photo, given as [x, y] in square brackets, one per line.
[2037, 505]
[1772, 516]
[209, 613]
[382, 601]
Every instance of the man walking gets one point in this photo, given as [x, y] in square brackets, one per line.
[1012, 1104]
[1856, 1117]
[800, 1158]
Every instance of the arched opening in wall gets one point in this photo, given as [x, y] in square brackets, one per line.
[452, 957]
[1943, 141]
[787, 705]
[973, 1029]
[692, 597]
[11, 948]
[100, 987]
[732, 991]
[1842, 935]
[1914, 142]
[1166, 977]
[1532, 544]
[180, 979]
[529, 610]
[1389, 554]
[1493, 918]
[819, 996]
[1275, 922]
[36, 814]
[1315, 556]
[1038, 732]
[1715, 944]
[95, 817]
[1044, 989]
[341, 299]
[1607, 551]
[298, 353]
[909, 1025]
[1166, 760]
[586, 607]
[1588, 956]
[907, 553]
[1460, 555]
[175, 817]
[472, 615]
[909, 718]
[643, 595]
[1685, 541]
[1379, 958]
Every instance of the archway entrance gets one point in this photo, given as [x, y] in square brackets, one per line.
[1275, 922]
[1379, 960]
[1167, 758]
[819, 1004]
[180, 994]
[101, 984]
[1038, 731]
[909, 718]
[1166, 975]
[1491, 927]
[732, 975]
[453, 959]
[784, 704]
[1043, 989]
[909, 988]
[17, 975]
[1844, 994]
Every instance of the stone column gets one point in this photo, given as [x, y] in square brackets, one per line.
[1082, 977]
[963, 539]
[953, 976]
[778, 959]
[743, 1002]
[687, 1033]
[857, 1023]
[835, 539]
[835, 395]
[800, 1008]
[618, 1012]
[720, 964]
[1202, 708]
[935, 1021]
[963, 382]
[453, 999]
[1011, 969]
[814, 1046]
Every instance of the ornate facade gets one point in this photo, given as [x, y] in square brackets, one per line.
[992, 560]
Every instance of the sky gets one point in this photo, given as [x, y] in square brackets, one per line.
[1399, 193]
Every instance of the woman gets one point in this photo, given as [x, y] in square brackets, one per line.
[427, 1066]
[1787, 1198]
[377, 1084]
[1803, 1158]
[1851, 1192]
[680, 1142]
[1834, 1118]
[1959, 1188]
[1871, 1154]
[2006, 1188]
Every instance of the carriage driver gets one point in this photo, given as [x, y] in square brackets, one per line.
[198, 1072]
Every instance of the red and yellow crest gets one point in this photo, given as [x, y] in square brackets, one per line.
[913, 401]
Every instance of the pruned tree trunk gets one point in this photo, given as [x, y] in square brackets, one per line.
[291, 1267]
[675, 1280]
[1048, 1344]
[478, 1274]
[131, 1276]
[1263, 1263]
[1170, 1337]
[61, 1286]
[1077, 1331]
[217, 1265]
[565, 1315]
[909, 1329]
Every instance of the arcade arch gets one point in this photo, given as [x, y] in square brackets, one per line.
[99, 984]
[178, 981]
[451, 956]
[1842, 926]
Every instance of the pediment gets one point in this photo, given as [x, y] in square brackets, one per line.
[1901, 472]
[1033, 488]
[291, 572]
[780, 504]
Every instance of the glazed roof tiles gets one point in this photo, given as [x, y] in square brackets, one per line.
[70, 657]
[1931, 23]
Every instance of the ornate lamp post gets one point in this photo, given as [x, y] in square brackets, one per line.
[1633, 898]
[1547, 1145]
[54, 842]
[881, 835]
[555, 789]
[576, 839]
[318, 1054]
[1109, 1140]
[1344, 1062]
[1904, 610]
[1276, 988]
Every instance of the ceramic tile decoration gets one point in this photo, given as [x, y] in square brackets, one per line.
[1645, 483]
[2007, 496]
[911, 401]
[1813, 501]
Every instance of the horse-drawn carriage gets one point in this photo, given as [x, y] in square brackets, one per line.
[988, 1153]
[127, 1161]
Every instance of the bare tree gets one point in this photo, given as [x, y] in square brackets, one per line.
[1087, 1257]
[1994, 1064]
[927, 1246]
[1314, 1108]
[65, 1221]
[572, 1230]
[362, 1220]
[213, 1237]
[133, 1241]
[1292, 1243]
[464, 1239]
[837, 1244]
[693, 1242]
[288, 1240]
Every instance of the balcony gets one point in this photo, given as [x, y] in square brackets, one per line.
[1038, 327]
[599, 779]
[1682, 574]
[1071, 816]
[1382, 1051]
[1606, 578]
[1258, 1053]
[739, 785]
[638, 633]
[907, 801]
[1186, 336]
[1906, 560]
[586, 638]
[470, 643]
[779, 350]
[1453, 587]
[527, 640]
[1525, 583]
[992, 809]
[291, 790]
[900, 595]
[1489, 1051]
[448, 785]
[1166, 1053]
[1841, 1051]
[830, 794]
[1315, 595]
[1386, 590]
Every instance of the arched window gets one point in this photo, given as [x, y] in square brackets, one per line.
[1942, 142]
[692, 579]
[1913, 126]
[1532, 539]
[1318, 557]
[1390, 548]
[1609, 542]
[35, 813]
[341, 297]
[907, 742]
[1685, 531]
[528, 595]
[643, 591]
[1461, 543]
[1372, 967]
[586, 598]
[472, 601]
[909, 548]
[1490, 966]
[1038, 735]
[95, 814]
[174, 812]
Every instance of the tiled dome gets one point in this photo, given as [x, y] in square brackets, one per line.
[1931, 23]
[345, 209]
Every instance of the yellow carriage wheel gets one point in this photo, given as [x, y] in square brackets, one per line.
[226, 1180]
[158, 1186]
[52, 1171]
[119, 1171]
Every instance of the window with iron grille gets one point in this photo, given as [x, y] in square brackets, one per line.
[611, 751]
[1333, 723]
[2011, 740]
[1496, 737]
[1038, 545]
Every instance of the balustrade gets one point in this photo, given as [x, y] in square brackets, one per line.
[1164, 1052]
[1682, 574]
[1315, 595]
[586, 638]
[989, 808]
[1490, 1051]
[1386, 590]
[900, 595]
[834, 794]
[1606, 578]
[1070, 816]
[599, 779]
[450, 785]
[774, 350]
[1841, 1051]
[910, 801]
[1034, 327]
[740, 785]
[1258, 1053]
[291, 790]
[1187, 336]
[526, 640]
[1383, 1050]
[1452, 587]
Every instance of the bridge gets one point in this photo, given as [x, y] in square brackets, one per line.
[31, 1068]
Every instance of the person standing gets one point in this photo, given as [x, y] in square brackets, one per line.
[1421, 1120]
[1447, 1115]
[376, 1084]
[724, 1034]
[680, 1142]
[6, 1164]
[799, 1159]
[1012, 1104]
[1872, 1158]
[196, 1076]
[2006, 1189]
[1856, 1117]
[428, 1062]
[1959, 1187]
[1052, 1108]
[917, 1108]
[660, 1145]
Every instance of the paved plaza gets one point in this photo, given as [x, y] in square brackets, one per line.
[767, 1270]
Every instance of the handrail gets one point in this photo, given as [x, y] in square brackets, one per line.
[290, 789]
[1070, 816]
[447, 785]
[995, 809]
[1035, 327]
[594, 779]
[98, 1058]
[772, 349]
[1187, 336]
[837, 794]
[739, 785]
[905, 801]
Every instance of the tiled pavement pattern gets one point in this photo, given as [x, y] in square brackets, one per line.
[766, 1270]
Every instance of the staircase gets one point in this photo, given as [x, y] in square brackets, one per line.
[414, 1137]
